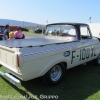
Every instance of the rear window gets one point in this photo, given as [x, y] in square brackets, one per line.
[67, 32]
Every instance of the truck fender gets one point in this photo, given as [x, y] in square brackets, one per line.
[51, 64]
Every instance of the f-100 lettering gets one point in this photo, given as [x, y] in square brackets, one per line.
[84, 53]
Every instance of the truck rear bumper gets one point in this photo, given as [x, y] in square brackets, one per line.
[11, 78]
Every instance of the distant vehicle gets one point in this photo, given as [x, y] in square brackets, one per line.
[25, 29]
[38, 30]
[13, 28]
[1, 31]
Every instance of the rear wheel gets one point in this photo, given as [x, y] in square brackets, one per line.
[54, 75]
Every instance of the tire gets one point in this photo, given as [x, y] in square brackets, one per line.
[54, 75]
[97, 60]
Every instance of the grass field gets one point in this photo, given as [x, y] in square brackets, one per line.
[30, 32]
[80, 83]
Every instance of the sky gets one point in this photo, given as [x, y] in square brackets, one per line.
[51, 11]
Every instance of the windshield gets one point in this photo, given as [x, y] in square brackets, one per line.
[67, 32]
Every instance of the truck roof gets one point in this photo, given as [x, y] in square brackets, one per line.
[68, 23]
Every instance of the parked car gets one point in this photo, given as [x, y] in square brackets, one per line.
[38, 30]
[1, 32]
[25, 29]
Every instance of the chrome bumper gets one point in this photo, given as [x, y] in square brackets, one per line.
[10, 78]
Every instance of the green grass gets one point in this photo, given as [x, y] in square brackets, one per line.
[80, 83]
[30, 32]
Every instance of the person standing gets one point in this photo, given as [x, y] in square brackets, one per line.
[6, 32]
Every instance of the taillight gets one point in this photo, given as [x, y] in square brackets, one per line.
[18, 60]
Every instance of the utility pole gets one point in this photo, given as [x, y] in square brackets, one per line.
[47, 21]
[90, 19]
[23, 23]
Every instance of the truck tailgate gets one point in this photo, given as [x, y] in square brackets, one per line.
[8, 58]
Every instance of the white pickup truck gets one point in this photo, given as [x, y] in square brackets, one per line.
[63, 46]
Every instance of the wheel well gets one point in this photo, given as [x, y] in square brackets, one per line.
[65, 64]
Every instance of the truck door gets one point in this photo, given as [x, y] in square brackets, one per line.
[84, 50]
[75, 46]
[89, 45]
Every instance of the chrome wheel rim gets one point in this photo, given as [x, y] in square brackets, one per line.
[56, 73]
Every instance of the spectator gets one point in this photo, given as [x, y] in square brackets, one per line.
[18, 34]
[11, 36]
[6, 32]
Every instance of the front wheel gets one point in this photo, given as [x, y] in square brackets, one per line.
[54, 75]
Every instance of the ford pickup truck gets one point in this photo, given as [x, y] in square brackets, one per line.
[63, 46]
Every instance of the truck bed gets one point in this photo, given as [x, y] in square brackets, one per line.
[19, 43]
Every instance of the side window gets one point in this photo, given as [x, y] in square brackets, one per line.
[85, 33]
